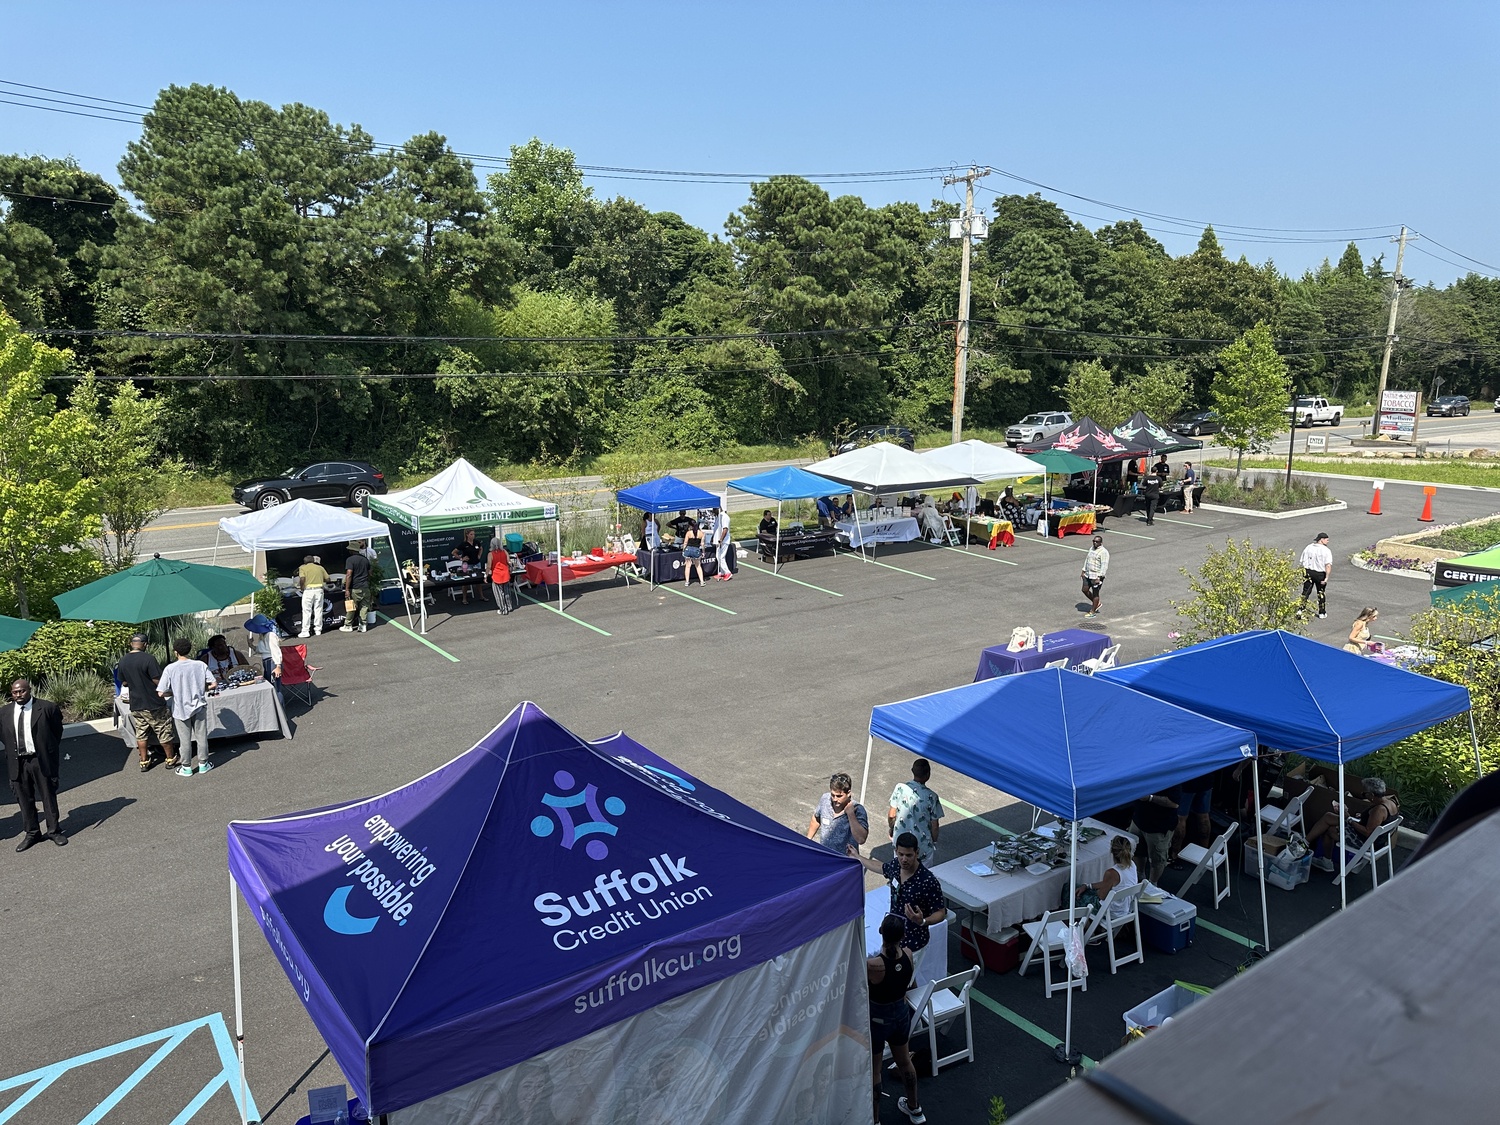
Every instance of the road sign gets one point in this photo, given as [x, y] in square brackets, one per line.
[1317, 443]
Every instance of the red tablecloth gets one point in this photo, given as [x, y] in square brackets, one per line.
[545, 573]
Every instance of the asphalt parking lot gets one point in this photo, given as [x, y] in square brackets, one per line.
[126, 932]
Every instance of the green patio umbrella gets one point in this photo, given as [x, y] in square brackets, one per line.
[157, 588]
[1059, 461]
[14, 632]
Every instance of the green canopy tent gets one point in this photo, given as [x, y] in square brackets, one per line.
[1454, 594]
[155, 590]
[14, 632]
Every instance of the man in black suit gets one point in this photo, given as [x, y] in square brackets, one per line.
[31, 730]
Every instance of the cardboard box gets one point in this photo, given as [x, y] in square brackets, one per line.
[1170, 925]
[1151, 1013]
[999, 954]
[1281, 871]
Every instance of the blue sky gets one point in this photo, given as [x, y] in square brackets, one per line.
[1267, 114]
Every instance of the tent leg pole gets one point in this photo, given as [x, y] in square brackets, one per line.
[1065, 1052]
[1474, 734]
[865, 780]
[421, 586]
[559, 566]
[1343, 859]
[776, 562]
[239, 1005]
[1260, 850]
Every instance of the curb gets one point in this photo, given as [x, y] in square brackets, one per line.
[1356, 562]
[1368, 480]
[88, 727]
[1336, 507]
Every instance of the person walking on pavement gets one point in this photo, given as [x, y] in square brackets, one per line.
[139, 672]
[356, 592]
[722, 545]
[31, 732]
[186, 682]
[1095, 568]
[916, 809]
[1151, 487]
[311, 578]
[1317, 566]
[889, 975]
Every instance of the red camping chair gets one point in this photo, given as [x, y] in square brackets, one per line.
[295, 672]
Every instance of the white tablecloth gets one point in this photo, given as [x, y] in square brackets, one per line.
[901, 529]
[1015, 896]
[931, 963]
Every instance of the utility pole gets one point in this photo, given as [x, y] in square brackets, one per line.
[964, 228]
[1390, 332]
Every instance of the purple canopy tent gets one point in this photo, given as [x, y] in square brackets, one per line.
[543, 905]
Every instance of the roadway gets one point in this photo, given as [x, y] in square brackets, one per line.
[190, 533]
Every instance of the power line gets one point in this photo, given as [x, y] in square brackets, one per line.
[1465, 257]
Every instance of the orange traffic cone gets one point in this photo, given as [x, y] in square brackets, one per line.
[1426, 516]
[1375, 503]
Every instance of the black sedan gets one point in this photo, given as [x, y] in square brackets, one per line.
[328, 482]
[1198, 422]
[1448, 406]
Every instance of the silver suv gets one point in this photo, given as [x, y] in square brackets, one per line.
[1037, 428]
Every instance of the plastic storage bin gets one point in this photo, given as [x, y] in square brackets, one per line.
[1169, 926]
[1151, 1013]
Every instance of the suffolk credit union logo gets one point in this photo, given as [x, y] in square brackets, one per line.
[617, 900]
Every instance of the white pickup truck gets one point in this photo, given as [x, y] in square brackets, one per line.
[1311, 409]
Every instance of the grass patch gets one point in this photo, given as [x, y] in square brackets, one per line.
[1469, 539]
[1436, 471]
[191, 490]
[1262, 494]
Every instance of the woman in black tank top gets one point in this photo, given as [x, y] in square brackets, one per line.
[889, 974]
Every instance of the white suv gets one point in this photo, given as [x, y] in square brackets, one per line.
[1037, 428]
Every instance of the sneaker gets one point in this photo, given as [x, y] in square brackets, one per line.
[301, 635]
[1091, 613]
[1323, 863]
[1322, 617]
[205, 767]
[184, 771]
[346, 628]
[364, 628]
[916, 1116]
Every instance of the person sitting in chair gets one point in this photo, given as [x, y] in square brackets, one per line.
[1357, 829]
[767, 523]
[1010, 507]
[221, 658]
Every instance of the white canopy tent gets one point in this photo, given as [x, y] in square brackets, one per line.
[461, 497]
[984, 462]
[302, 523]
[881, 468]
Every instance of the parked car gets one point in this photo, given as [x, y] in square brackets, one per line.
[1037, 428]
[1197, 422]
[328, 482]
[1497, 406]
[1312, 409]
[869, 435]
[1448, 406]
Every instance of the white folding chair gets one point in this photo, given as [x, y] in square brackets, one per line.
[951, 532]
[1212, 859]
[1049, 937]
[1110, 924]
[946, 1000]
[1063, 663]
[1105, 659]
[1282, 820]
[1378, 844]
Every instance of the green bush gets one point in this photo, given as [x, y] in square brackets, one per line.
[269, 600]
[67, 646]
[1264, 494]
[1427, 769]
[81, 695]
[1240, 587]
[1468, 540]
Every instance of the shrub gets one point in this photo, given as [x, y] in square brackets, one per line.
[269, 600]
[1265, 494]
[1240, 587]
[1428, 768]
[1467, 539]
[67, 646]
[81, 695]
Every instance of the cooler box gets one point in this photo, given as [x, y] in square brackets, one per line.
[999, 954]
[1151, 1013]
[1168, 926]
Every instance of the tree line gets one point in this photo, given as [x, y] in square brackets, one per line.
[523, 319]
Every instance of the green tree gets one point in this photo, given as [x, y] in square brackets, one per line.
[1250, 393]
[1240, 587]
[1090, 392]
[542, 202]
[48, 510]
[123, 459]
[1160, 389]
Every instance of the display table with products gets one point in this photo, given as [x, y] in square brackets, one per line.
[1072, 645]
[252, 708]
[540, 572]
[667, 565]
[983, 529]
[895, 529]
[797, 542]
[1009, 898]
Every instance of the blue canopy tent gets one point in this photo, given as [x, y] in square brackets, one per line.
[785, 483]
[1299, 695]
[1072, 745]
[540, 898]
[666, 494]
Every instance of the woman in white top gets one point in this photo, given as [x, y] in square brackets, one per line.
[1122, 874]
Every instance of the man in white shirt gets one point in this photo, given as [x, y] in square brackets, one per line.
[722, 545]
[1095, 567]
[186, 682]
[1317, 565]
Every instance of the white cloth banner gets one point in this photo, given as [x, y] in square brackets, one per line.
[787, 1040]
[902, 529]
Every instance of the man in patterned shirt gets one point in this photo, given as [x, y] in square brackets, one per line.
[916, 809]
[916, 894]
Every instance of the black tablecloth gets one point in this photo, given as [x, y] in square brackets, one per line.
[802, 544]
[666, 566]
